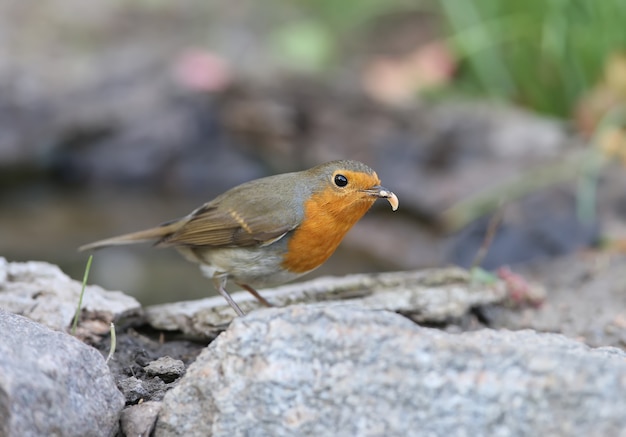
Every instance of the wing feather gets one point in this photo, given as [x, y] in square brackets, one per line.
[213, 226]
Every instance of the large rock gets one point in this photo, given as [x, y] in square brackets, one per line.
[346, 371]
[43, 293]
[51, 384]
[427, 296]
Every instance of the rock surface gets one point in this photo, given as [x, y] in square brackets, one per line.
[432, 296]
[166, 368]
[586, 299]
[51, 384]
[138, 420]
[341, 370]
[43, 293]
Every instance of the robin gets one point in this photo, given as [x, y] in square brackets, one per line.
[272, 230]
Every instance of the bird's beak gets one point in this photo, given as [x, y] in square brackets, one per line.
[383, 193]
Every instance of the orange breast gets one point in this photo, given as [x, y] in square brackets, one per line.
[327, 219]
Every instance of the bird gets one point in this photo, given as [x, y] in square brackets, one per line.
[269, 231]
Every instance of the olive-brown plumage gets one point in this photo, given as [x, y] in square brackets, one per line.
[271, 230]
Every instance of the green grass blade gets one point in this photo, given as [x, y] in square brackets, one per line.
[82, 293]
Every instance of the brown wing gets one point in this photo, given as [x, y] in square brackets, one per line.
[212, 226]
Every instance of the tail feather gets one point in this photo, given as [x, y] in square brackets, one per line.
[145, 236]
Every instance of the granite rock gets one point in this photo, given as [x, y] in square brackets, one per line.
[343, 370]
[51, 384]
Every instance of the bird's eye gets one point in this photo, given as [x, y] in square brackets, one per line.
[341, 180]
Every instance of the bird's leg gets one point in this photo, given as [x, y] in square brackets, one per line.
[219, 280]
[256, 294]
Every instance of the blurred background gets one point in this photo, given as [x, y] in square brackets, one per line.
[498, 124]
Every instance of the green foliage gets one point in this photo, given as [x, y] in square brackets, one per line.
[309, 42]
[304, 45]
[542, 54]
[345, 16]
[480, 276]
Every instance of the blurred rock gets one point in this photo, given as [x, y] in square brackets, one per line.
[43, 293]
[139, 420]
[348, 371]
[428, 296]
[52, 384]
[105, 109]
[585, 299]
[166, 368]
[543, 225]
[137, 390]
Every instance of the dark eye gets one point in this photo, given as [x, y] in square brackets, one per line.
[341, 180]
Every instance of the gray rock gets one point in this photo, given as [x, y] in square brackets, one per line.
[432, 296]
[138, 420]
[586, 300]
[166, 368]
[139, 390]
[51, 384]
[43, 293]
[133, 389]
[345, 371]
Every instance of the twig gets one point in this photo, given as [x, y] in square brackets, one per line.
[492, 228]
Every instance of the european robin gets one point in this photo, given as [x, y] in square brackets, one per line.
[272, 230]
